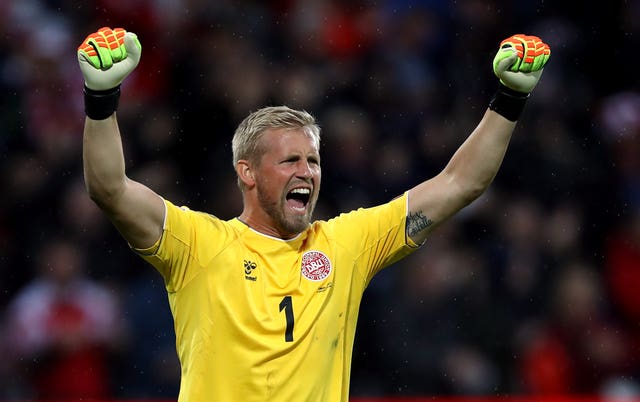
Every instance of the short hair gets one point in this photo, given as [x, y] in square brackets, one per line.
[246, 140]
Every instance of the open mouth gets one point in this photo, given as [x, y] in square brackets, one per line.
[298, 198]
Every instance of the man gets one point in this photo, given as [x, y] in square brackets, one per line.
[265, 305]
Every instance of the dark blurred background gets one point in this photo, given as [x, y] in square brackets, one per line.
[533, 289]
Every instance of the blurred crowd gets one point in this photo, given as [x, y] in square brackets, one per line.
[533, 289]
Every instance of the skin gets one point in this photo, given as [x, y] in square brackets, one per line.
[291, 160]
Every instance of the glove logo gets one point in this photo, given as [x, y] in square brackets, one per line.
[315, 265]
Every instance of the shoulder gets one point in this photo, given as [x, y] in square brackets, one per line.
[365, 223]
[393, 210]
[185, 215]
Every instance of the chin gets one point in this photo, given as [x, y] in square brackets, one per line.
[297, 225]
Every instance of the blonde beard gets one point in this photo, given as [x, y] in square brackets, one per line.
[284, 224]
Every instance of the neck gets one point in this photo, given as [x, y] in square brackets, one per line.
[265, 228]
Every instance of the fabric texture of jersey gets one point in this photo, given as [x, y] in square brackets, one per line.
[263, 319]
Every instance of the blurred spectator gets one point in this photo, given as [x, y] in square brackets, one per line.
[578, 348]
[151, 368]
[619, 120]
[623, 268]
[62, 327]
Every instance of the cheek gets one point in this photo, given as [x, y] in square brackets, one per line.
[273, 180]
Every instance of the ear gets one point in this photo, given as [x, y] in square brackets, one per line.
[245, 173]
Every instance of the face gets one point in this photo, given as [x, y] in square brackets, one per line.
[288, 179]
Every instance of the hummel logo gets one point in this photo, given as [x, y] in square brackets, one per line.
[249, 266]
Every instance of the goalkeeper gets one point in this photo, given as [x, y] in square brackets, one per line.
[265, 304]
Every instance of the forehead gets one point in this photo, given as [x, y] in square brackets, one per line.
[288, 140]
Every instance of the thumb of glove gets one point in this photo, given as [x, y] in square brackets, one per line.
[504, 60]
[516, 80]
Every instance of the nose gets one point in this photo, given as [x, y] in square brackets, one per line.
[304, 170]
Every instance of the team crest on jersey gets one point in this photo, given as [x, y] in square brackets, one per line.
[315, 265]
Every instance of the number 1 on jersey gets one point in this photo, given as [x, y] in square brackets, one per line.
[287, 306]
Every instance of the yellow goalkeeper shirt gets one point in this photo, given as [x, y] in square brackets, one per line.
[263, 319]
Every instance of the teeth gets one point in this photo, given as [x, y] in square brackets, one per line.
[301, 191]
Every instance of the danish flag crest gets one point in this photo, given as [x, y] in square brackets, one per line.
[315, 265]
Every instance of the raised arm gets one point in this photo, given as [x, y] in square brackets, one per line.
[518, 64]
[106, 57]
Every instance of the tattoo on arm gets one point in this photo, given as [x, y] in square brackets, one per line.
[417, 222]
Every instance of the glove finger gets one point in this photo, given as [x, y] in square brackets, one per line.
[542, 56]
[517, 42]
[515, 66]
[536, 54]
[113, 43]
[529, 54]
[104, 55]
[514, 40]
[115, 39]
[108, 45]
[87, 51]
[98, 40]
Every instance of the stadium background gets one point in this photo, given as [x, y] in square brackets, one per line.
[531, 291]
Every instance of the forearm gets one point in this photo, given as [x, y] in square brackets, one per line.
[475, 164]
[103, 160]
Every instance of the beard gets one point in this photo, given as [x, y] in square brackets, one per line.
[291, 224]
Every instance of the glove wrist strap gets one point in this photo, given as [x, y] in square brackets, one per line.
[508, 103]
[98, 105]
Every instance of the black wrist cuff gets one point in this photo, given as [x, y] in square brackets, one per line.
[98, 105]
[508, 103]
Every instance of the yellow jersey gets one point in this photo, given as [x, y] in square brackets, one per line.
[259, 318]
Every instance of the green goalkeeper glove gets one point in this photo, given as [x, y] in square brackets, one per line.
[520, 61]
[518, 64]
[106, 58]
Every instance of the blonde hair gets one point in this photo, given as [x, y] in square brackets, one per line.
[246, 140]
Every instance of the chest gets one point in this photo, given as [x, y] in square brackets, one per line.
[283, 291]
